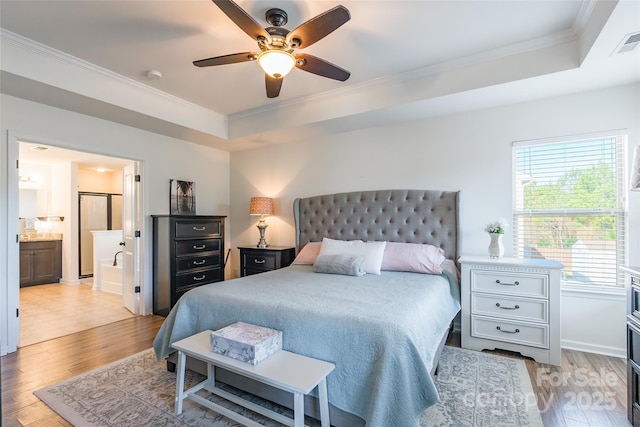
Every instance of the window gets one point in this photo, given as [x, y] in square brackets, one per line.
[568, 205]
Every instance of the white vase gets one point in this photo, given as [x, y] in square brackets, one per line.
[496, 248]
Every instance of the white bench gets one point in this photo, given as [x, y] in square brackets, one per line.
[287, 371]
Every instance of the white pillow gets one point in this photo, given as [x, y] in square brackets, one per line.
[413, 257]
[372, 252]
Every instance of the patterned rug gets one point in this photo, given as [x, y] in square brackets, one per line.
[476, 389]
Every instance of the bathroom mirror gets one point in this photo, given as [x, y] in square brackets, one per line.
[28, 203]
[33, 203]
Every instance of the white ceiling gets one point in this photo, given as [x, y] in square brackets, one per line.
[408, 60]
[40, 154]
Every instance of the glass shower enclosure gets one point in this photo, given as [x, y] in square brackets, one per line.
[97, 211]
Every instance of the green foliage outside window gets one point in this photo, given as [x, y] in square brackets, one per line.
[578, 189]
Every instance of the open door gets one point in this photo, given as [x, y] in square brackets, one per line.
[131, 233]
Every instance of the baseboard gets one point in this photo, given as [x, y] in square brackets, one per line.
[70, 282]
[592, 348]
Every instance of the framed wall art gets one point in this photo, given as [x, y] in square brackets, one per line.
[183, 197]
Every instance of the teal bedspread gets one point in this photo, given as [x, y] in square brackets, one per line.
[381, 332]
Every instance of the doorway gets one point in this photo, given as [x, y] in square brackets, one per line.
[68, 163]
[96, 212]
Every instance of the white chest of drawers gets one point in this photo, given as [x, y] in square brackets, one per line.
[512, 304]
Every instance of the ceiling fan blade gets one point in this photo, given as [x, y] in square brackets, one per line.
[226, 59]
[242, 19]
[316, 28]
[273, 86]
[315, 65]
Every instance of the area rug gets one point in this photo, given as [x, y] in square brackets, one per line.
[476, 389]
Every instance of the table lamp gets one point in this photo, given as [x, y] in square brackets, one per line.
[261, 206]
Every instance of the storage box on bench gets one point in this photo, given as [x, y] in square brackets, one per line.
[245, 342]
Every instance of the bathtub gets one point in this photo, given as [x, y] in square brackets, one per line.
[110, 278]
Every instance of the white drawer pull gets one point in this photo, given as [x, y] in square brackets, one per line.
[516, 283]
[508, 332]
[508, 308]
[199, 262]
[199, 228]
[199, 247]
[200, 278]
[259, 261]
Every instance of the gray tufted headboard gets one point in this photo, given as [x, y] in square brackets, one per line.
[412, 216]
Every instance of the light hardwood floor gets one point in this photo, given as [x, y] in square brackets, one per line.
[35, 366]
[65, 309]
[587, 390]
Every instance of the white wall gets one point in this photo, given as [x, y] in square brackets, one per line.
[470, 152]
[162, 158]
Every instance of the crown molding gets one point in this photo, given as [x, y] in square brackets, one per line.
[41, 49]
[559, 38]
[586, 10]
[44, 65]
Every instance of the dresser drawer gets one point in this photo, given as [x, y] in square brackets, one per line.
[198, 228]
[259, 261]
[535, 310]
[510, 331]
[191, 263]
[508, 283]
[633, 340]
[196, 278]
[633, 393]
[191, 247]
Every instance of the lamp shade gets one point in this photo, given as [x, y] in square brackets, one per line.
[635, 170]
[276, 63]
[261, 206]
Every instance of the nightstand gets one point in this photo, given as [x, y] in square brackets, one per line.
[512, 304]
[255, 260]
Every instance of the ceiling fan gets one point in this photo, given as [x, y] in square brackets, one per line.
[277, 44]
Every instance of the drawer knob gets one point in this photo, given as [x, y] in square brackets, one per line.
[508, 332]
[507, 308]
[199, 247]
[204, 276]
[199, 228]
[259, 261]
[516, 283]
[199, 262]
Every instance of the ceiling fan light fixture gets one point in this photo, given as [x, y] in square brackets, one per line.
[276, 63]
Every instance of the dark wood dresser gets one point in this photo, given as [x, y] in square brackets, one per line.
[255, 260]
[188, 251]
[633, 344]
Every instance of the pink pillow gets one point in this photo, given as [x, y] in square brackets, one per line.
[308, 253]
[412, 257]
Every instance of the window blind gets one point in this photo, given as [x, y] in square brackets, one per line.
[568, 205]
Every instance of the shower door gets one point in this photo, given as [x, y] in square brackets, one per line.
[97, 211]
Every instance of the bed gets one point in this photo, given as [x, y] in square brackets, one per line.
[384, 332]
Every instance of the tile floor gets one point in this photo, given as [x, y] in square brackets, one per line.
[55, 310]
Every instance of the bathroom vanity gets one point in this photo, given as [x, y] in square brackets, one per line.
[40, 261]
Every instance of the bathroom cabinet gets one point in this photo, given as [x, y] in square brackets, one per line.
[40, 262]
